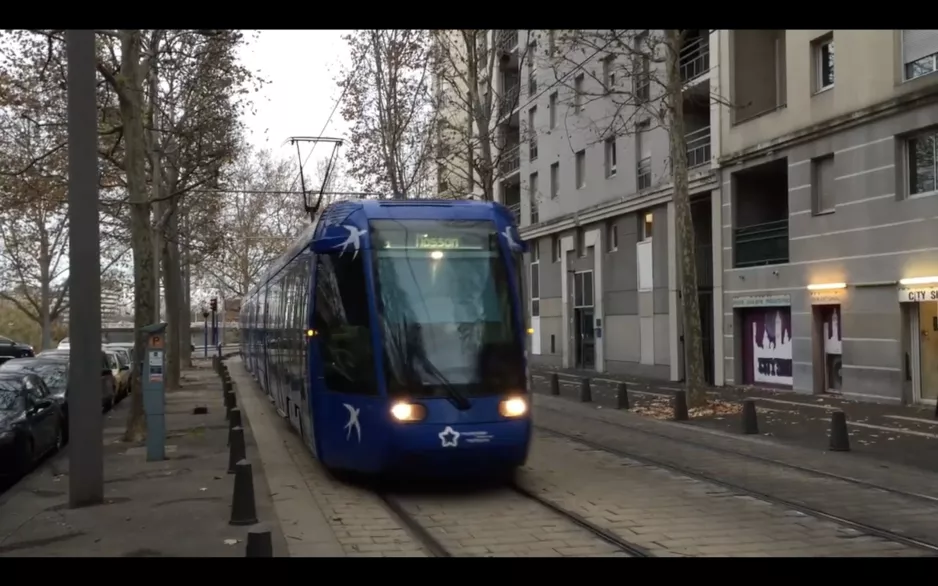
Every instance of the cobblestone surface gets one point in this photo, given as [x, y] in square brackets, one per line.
[671, 514]
[905, 515]
[503, 523]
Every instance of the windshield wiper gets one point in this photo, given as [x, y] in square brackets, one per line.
[456, 398]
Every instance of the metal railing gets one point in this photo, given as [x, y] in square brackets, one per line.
[695, 58]
[532, 148]
[510, 161]
[515, 209]
[509, 99]
[698, 147]
[761, 244]
[643, 174]
[507, 40]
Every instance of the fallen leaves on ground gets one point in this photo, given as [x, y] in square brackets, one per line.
[661, 408]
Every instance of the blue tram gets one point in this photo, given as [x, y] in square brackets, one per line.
[391, 335]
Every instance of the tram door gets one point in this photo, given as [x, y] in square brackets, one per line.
[583, 320]
[349, 418]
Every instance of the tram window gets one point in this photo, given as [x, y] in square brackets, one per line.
[342, 320]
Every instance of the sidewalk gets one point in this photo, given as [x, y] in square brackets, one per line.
[900, 434]
[175, 508]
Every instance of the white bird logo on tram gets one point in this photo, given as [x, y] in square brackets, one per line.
[510, 239]
[354, 238]
[353, 422]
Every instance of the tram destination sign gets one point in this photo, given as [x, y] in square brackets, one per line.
[437, 242]
[915, 294]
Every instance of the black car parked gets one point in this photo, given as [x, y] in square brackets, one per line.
[11, 349]
[53, 372]
[31, 422]
[108, 382]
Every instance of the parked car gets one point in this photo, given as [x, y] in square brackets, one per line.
[53, 372]
[31, 422]
[64, 345]
[12, 349]
[121, 372]
[108, 382]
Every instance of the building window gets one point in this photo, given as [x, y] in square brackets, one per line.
[641, 80]
[551, 42]
[611, 157]
[612, 237]
[581, 242]
[643, 151]
[919, 52]
[554, 180]
[552, 107]
[555, 248]
[578, 93]
[535, 280]
[922, 163]
[532, 197]
[609, 74]
[824, 63]
[822, 184]
[646, 226]
[532, 134]
[580, 169]
[532, 69]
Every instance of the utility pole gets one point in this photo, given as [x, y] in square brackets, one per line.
[86, 453]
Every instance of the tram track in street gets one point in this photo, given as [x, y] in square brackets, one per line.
[801, 507]
[551, 529]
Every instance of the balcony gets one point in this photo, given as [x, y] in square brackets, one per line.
[507, 41]
[695, 57]
[761, 244]
[509, 100]
[510, 161]
[698, 147]
[515, 210]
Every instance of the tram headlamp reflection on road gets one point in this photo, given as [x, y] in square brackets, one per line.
[408, 412]
[513, 407]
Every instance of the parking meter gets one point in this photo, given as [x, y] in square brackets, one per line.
[154, 391]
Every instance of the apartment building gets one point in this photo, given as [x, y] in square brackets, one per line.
[829, 233]
[596, 211]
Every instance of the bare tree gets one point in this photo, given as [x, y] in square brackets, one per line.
[259, 219]
[637, 82]
[477, 93]
[388, 102]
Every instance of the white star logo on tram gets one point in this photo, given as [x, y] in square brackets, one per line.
[449, 437]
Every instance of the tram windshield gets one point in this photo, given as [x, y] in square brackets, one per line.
[444, 302]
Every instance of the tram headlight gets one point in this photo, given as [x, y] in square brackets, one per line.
[408, 412]
[513, 407]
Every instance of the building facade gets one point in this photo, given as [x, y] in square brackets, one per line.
[813, 203]
[829, 212]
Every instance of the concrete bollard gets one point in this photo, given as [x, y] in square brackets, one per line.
[840, 439]
[586, 394]
[243, 508]
[200, 410]
[555, 385]
[260, 544]
[234, 420]
[236, 450]
[622, 396]
[750, 417]
[680, 406]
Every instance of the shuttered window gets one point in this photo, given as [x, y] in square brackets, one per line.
[919, 52]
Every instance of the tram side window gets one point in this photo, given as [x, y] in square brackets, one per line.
[342, 322]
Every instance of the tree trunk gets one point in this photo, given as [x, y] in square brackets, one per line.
[185, 310]
[130, 91]
[687, 254]
[173, 281]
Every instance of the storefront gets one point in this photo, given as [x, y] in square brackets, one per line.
[827, 354]
[765, 339]
[922, 294]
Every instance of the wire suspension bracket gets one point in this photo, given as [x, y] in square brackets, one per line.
[336, 142]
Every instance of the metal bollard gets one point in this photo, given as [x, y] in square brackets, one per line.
[586, 394]
[260, 544]
[622, 396]
[840, 439]
[555, 385]
[680, 406]
[236, 449]
[243, 507]
[234, 420]
[750, 417]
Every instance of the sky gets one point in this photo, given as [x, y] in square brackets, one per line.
[301, 67]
